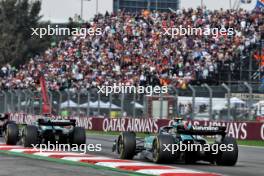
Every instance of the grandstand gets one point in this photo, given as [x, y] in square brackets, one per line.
[132, 50]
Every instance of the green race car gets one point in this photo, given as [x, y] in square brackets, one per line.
[46, 130]
[180, 142]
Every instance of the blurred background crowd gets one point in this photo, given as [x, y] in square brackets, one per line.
[132, 50]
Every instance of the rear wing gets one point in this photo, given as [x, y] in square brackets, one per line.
[201, 130]
[71, 122]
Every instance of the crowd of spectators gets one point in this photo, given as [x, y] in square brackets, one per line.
[133, 50]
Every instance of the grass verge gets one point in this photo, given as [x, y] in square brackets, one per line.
[114, 133]
[251, 143]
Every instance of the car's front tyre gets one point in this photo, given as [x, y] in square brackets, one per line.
[159, 151]
[126, 145]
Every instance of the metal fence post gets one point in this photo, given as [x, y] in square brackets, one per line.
[210, 100]
[68, 101]
[193, 99]
[111, 101]
[51, 101]
[161, 105]
[11, 101]
[59, 103]
[176, 111]
[5, 101]
[228, 100]
[1, 94]
[13, 95]
[18, 100]
[88, 103]
[78, 99]
[122, 103]
[250, 91]
[134, 105]
[145, 106]
[25, 100]
[31, 111]
[99, 105]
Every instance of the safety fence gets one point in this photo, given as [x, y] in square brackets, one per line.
[226, 102]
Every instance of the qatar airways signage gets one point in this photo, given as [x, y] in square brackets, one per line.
[238, 130]
[132, 124]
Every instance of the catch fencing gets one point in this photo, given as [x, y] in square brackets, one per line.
[226, 102]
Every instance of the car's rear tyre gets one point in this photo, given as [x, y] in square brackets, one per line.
[78, 136]
[126, 145]
[11, 134]
[190, 157]
[30, 136]
[160, 153]
[228, 158]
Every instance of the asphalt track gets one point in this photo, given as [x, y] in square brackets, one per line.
[21, 166]
[250, 162]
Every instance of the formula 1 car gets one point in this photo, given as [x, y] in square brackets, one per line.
[46, 130]
[161, 148]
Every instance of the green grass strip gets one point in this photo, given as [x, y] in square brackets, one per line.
[114, 133]
[251, 143]
[73, 163]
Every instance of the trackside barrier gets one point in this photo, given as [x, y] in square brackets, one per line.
[239, 130]
[238, 102]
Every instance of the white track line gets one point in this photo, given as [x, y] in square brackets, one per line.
[117, 164]
[84, 158]
[24, 150]
[163, 171]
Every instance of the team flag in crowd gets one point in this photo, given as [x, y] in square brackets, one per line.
[260, 4]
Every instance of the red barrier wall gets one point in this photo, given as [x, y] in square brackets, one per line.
[238, 130]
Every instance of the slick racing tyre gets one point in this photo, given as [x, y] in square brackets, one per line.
[160, 154]
[78, 136]
[126, 145]
[11, 134]
[228, 158]
[30, 136]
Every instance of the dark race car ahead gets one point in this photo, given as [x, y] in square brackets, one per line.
[46, 130]
[4, 122]
[162, 148]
